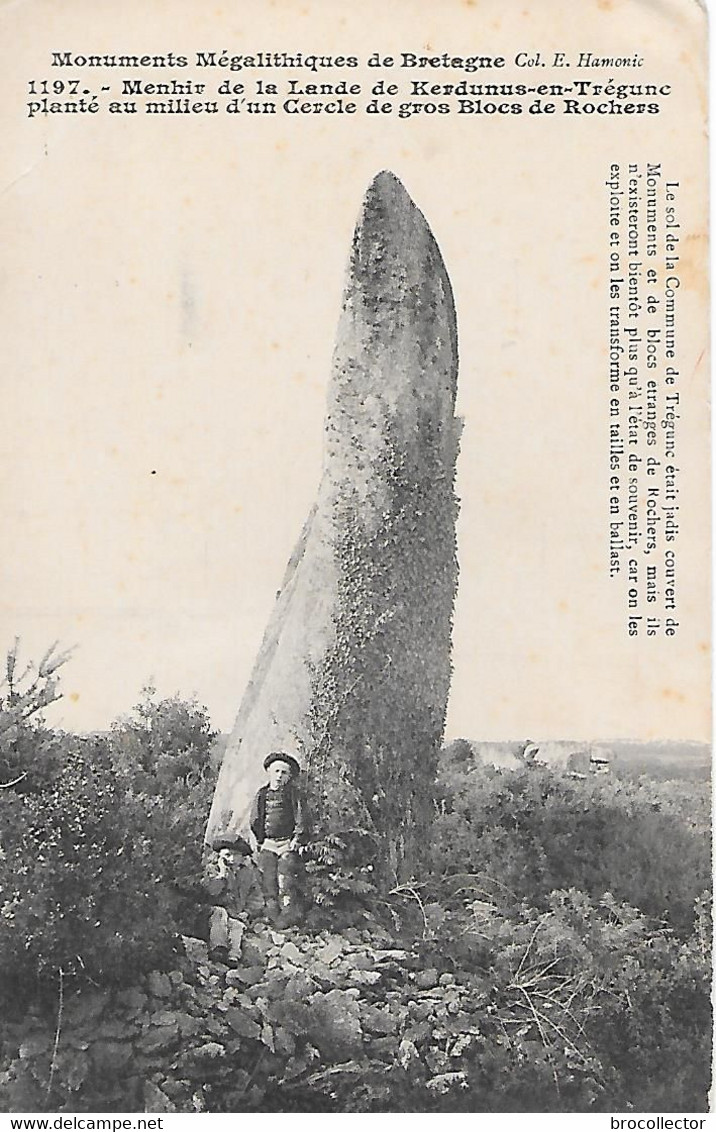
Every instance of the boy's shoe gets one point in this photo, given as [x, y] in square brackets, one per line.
[272, 911]
[290, 918]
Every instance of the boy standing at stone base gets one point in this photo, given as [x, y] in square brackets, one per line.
[277, 823]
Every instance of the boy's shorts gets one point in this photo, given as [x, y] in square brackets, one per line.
[280, 848]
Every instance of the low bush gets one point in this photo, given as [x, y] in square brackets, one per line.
[530, 831]
[101, 841]
[82, 889]
[163, 751]
[595, 1006]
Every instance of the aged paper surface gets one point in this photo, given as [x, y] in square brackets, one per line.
[177, 209]
[172, 283]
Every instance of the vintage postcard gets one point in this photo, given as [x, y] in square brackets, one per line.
[355, 722]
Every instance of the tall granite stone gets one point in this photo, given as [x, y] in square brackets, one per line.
[353, 673]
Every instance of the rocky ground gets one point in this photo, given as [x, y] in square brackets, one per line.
[296, 1022]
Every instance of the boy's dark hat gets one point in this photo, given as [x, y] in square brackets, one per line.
[280, 756]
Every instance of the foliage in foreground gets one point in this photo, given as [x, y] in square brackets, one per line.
[529, 831]
[568, 918]
[99, 838]
[596, 1006]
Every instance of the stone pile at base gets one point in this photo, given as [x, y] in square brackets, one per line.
[295, 1016]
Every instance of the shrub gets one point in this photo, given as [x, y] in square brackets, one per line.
[591, 1005]
[29, 751]
[163, 750]
[81, 888]
[99, 837]
[339, 888]
[530, 831]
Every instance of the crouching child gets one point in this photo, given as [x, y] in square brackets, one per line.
[277, 823]
[233, 889]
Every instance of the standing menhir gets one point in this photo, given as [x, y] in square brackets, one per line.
[353, 674]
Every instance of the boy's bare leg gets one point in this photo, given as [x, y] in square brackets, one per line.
[236, 935]
[267, 863]
[219, 934]
[291, 889]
